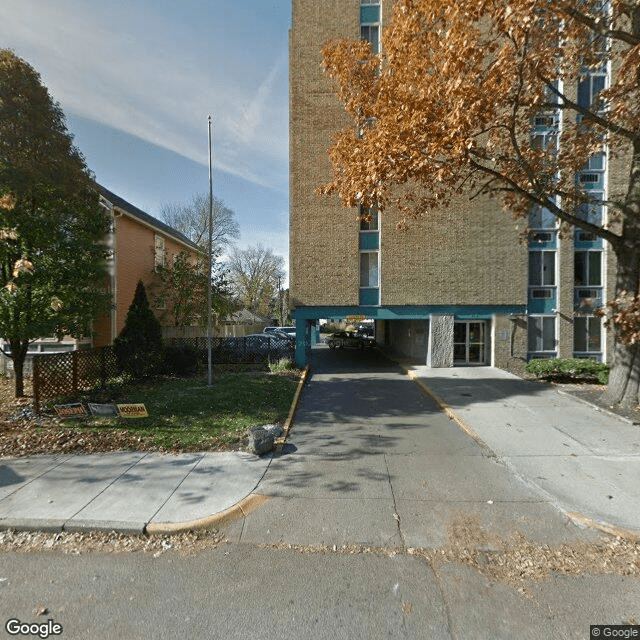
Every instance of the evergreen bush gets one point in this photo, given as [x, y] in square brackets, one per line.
[180, 359]
[138, 348]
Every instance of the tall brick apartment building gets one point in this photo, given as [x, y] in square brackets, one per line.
[457, 288]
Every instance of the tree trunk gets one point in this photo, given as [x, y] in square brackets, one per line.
[624, 379]
[18, 355]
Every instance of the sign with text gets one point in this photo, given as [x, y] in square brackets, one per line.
[73, 410]
[132, 410]
[102, 409]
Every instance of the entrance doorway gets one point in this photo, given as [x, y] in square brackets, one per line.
[469, 343]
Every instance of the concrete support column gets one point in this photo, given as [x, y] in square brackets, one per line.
[440, 350]
[303, 342]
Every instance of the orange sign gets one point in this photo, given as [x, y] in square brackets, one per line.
[132, 410]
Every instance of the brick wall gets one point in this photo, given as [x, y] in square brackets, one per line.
[135, 260]
[468, 254]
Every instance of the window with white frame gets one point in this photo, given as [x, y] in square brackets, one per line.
[589, 86]
[369, 269]
[541, 218]
[587, 268]
[542, 335]
[542, 268]
[159, 251]
[587, 335]
[370, 20]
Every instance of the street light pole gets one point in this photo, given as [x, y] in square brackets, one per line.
[210, 248]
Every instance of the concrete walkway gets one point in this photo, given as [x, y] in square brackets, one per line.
[587, 461]
[128, 492]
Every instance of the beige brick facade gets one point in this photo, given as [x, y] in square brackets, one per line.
[465, 257]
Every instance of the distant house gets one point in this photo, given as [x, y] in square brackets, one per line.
[243, 322]
[138, 243]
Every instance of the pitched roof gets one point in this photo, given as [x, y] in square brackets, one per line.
[244, 316]
[144, 217]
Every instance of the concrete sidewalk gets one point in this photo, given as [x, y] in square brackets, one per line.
[127, 492]
[586, 461]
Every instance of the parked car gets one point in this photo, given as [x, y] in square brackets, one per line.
[290, 332]
[366, 330]
[273, 338]
[342, 339]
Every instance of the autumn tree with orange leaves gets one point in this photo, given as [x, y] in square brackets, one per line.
[448, 105]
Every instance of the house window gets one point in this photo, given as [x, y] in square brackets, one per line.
[587, 335]
[159, 252]
[542, 268]
[587, 268]
[370, 23]
[542, 336]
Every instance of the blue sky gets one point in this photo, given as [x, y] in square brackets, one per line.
[137, 80]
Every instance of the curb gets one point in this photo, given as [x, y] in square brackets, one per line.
[605, 527]
[239, 510]
[578, 518]
[248, 504]
[595, 407]
[448, 411]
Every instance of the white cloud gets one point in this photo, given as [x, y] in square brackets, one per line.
[140, 72]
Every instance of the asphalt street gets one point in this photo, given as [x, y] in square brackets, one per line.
[367, 522]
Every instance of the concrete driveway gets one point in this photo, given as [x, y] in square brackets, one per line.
[371, 460]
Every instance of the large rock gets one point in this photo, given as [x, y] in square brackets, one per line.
[261, 440]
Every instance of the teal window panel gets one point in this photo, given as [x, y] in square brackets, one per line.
[369, 241]
[370, 296]
[586, 241]
[542, 305]
[369, 14]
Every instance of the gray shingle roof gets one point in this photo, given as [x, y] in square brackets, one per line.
[121, 203]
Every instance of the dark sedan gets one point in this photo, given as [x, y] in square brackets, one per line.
[350, 339]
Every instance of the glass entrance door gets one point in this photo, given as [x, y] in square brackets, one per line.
[469, 343]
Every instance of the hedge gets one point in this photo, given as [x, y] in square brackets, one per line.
[569, 369]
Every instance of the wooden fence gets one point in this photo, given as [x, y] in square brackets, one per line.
[65, 374]
[60, 374]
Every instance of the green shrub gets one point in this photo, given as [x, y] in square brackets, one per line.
[569, 369]
[180, 359]
[283, 364]
[139, 346]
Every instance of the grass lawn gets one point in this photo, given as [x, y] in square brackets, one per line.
[186, 413]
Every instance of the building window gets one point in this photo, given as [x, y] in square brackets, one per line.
[587, 336]
[369, 243]
[542, 268]
[587, 268]
[589, 87]
[159, 252]
[541, 218]
[370, 23]
[542, 336]
[369, 269]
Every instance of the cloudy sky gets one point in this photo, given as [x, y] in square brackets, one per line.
[137, 80]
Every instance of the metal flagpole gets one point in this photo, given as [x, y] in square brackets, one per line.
[210, 368]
